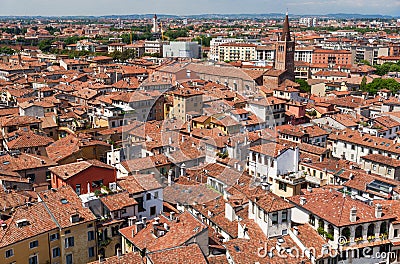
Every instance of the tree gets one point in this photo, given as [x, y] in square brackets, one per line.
[304, 86]
[363, 84]
[379, 83]
[45, 45]
[204, 40]
[6, 50]
[365, 62]
[174, 34]
[387, 67]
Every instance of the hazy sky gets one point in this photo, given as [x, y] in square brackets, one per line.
[182, 7]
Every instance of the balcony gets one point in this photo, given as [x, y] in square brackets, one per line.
[293, 178]
[315, 180]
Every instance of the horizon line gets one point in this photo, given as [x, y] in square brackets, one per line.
[205, 14]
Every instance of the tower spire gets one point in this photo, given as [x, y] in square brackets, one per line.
[286, 29]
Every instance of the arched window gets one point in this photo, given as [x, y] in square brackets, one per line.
[118, 249]
[346, 233]
[371, 230]
[321, 223]
[312, 220]
[102, 252]
[330, 229]
[383, 228]
[359, 232]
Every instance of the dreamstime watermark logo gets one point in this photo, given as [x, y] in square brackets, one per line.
[326, 251]
[295, 252]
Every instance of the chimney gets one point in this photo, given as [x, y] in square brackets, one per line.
[183, 169]
[131, 220]
[378, 210]
[138, 227]
[144, 220]
[278, 246]
[309, 189]
[183, 138]
[169, 141]
[170, 175]
[353, 214]
[172, 216]
[296, 231]
[303, 200]
[265, 186]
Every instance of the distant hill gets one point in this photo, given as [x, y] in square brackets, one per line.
[212, 16]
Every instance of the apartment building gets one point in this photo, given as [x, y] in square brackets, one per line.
[180, 49]
[237, 52]
[270, 109]
[353, 145]
[214, 44]
[328, 56]
[186, 102]
[357, 224]
[277, 165]
[37, 240]
[76, 226]
[304, 54]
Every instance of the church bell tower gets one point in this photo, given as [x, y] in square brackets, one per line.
[284, 51]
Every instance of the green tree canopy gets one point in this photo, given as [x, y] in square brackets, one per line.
[379, 83]
[387, 67]
[6, 50]
[304, 86]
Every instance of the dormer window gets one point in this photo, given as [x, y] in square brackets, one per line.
[22, 223]
[75, 218]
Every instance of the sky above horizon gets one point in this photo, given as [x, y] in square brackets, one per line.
[186, 7]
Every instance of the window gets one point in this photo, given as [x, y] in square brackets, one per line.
[69, 242]
[155, 195]
[282, 186]
[9, 253]
[148, 196]
[312, 220]
[274, 218]
[90, 235]
[152, 210]
[56, 252]
[78, 189]
[91, 252]
[68, 259]
[67, 231]
[260, 213]
[374, 167]
[54, 236]
[98, 183]
[396, 233]
[33, 244]
[284, 216]
[31, 177]
[33, 260]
